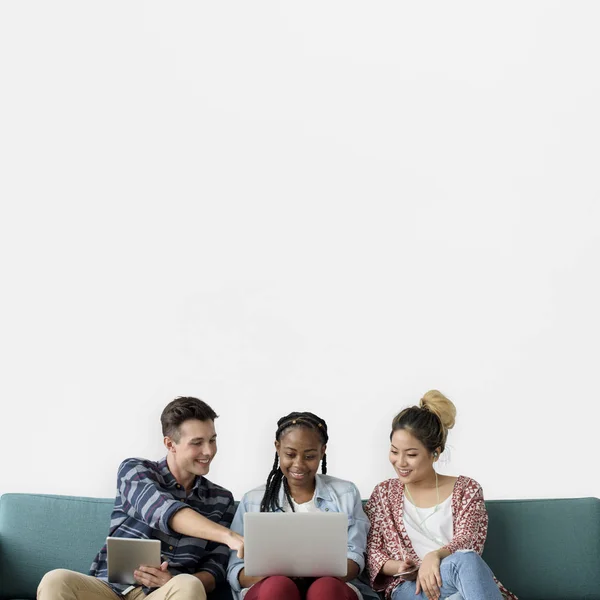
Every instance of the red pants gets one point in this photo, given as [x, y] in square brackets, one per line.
[278, 587]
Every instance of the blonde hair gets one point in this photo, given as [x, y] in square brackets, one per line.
[439, 405]
[430, 421]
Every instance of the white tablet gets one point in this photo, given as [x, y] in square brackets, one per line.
[407, 572]
[296, 544]
[125, 555]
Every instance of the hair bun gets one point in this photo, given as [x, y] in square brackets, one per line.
[435, 402]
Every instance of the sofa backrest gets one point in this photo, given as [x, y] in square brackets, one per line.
[540, 549]
[546, 549]
[39, 533]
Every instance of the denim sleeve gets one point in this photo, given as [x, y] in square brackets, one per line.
[358, 528]
[142, 498]
[236, 564]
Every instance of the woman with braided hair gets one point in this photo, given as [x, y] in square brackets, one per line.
[294, 485]
[428, 530]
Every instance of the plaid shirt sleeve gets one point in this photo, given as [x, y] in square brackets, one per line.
[142, 498]
[215, 562]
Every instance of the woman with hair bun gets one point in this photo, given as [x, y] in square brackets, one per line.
[428, 530]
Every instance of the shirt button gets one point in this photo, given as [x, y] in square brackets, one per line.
[178, 486]
[170, 547]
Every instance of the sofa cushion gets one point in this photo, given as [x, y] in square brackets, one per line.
[540, 549]
[44, 532]
[546, 549]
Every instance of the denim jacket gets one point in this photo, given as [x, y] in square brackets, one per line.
[331, 494]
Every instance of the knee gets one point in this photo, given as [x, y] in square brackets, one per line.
[326, 587]
[188, 587]
[278, 586]
[465, 560]
[327, 583]
[53, 581]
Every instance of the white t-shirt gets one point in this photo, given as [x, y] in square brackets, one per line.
[428, 528]
[305, 507]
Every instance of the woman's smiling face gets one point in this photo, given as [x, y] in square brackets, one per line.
[300, 452]
[409, 457]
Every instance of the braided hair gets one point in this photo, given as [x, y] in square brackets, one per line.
[270, 501]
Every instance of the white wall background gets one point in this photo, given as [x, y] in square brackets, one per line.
[327, 206]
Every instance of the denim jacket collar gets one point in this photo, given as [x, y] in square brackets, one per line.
[322, 491]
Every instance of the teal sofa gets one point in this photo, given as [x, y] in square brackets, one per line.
[540, 549]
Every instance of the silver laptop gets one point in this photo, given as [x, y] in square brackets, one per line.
[125, 555]
[296, 544]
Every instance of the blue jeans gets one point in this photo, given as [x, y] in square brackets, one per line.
[464, 574]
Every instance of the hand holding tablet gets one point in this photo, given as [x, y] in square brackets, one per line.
[126, 555]
[153, 577]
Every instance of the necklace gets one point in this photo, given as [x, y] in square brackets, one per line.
[437, 491]
[422, 525]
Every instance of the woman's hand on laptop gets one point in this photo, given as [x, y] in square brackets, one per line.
[153, 577]
[236, 542]
[353, 571]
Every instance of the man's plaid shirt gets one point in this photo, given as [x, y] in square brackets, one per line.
[147, 497]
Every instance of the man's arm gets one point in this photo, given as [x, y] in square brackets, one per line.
[143, 499]
[188, 522]
[214, 562]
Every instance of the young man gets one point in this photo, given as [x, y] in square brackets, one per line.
[170, 500]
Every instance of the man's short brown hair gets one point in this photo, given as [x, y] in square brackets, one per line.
[181, 409]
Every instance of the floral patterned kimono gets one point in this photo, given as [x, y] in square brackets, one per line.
[388, 538]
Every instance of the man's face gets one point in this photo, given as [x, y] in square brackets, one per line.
[196, 447]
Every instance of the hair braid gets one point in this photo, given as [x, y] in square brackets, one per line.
[270, 501]
[288, 494]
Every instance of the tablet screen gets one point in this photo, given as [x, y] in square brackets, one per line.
[125, 555]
